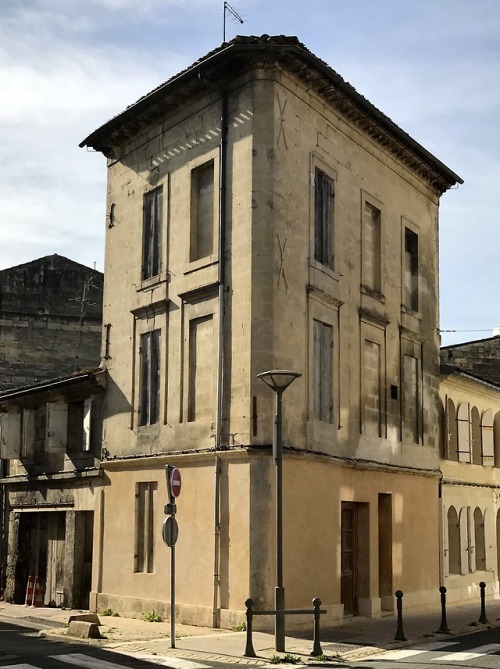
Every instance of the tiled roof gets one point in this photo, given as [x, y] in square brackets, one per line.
[217, 68]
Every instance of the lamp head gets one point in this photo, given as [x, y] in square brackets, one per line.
[278, 379]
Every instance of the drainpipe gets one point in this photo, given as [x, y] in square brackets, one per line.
[442, 556]
[220, 354]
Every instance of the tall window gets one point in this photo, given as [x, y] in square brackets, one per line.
[323, 372]
[201, 368]
[152, 225]
[411, 399]
[372, 248]
[144, 527]
[410, 270]
[150, 378]
[323, 218]
[372, 389]
[202, 211]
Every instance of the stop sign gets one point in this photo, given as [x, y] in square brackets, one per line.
[175, 482]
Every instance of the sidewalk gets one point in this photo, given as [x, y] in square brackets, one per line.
[357, 638]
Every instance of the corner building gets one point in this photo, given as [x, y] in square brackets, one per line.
[262, 214]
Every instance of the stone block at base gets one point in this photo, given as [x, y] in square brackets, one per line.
[83, 630]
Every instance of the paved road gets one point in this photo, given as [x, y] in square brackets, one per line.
[24, 648]
[480, 650]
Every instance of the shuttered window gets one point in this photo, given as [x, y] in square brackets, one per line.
[323, 371]
[145, 497]
[149, 378]
[323, 218]
[152, 226]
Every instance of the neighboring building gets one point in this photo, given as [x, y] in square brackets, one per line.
[50, 320]
[50, 441]
[262, 214]
[480, 357]
[471, 481]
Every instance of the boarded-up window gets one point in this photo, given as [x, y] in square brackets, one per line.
[372, 248]
[201, 389]
[149, 398]
[323, 372]
[454, 554]
[410, 270]
[487, 443]
[372, 389]
[411, 399]
[202, 211]
[479, 539]
[56, 427]
[10, 436]
[475, 436]
[152, 233]
[145, 497]
[463, 429]
[323, 218]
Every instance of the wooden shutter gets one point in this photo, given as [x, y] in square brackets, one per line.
[10, 436]
[56, 427]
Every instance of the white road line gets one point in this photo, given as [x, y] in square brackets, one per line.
[86, 661]
[402, 653]
[472, 655]
[436, 645]
[19, 666]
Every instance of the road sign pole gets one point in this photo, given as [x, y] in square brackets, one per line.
[172, 596]
[170, 532]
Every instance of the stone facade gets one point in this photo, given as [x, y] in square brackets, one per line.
[50, 320]
[470, 465]
[264, 215]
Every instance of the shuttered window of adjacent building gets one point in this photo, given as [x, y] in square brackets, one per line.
[323, 218]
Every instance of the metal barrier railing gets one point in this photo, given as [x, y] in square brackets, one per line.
[316, 611]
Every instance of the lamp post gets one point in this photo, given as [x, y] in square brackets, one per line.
[279, 380]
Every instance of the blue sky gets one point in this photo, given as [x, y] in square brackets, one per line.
[67, 66]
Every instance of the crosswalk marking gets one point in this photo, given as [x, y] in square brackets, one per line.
[471, 655]
[87, 661]
[19, 666]
[395, 654]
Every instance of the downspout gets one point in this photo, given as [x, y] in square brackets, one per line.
[220, 355]
[441, 554]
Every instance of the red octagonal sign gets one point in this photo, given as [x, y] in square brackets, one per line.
[175, 482]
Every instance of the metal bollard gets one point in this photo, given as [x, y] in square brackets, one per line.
[316, 651]
[400, 635]
[249, 651]
[482, 617]
[443, 628]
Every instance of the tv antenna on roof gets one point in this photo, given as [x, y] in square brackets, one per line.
[233, 13]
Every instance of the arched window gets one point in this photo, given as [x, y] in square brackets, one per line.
[487, 443]
[479, 540]
[476, 436]
[451, 437]
[454, 562]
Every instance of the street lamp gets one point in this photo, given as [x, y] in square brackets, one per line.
[279, 380]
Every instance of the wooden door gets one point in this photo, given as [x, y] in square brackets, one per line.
[348, 559]
[56, 530]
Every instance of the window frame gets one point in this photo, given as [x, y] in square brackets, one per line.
[149, 377]
[151, 263]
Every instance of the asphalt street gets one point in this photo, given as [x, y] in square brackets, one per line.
[480, 650]
[24, 648]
